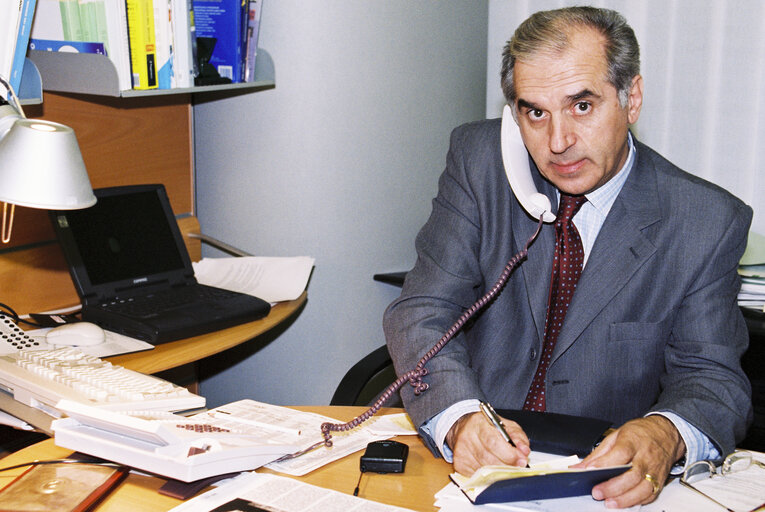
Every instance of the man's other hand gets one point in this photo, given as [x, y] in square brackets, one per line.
[652, 445]
[475, 443]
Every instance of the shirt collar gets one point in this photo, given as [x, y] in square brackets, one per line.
[602, 198]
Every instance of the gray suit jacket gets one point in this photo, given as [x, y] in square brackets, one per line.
[653, 325]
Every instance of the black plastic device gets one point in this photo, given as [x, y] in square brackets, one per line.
[384, 457]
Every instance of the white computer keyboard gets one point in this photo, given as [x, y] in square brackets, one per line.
[40, 378]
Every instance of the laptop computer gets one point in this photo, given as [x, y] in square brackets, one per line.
[133, 273]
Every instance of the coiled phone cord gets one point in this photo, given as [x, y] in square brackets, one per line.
[414, 377]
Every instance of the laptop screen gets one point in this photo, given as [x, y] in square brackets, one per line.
[129, 237]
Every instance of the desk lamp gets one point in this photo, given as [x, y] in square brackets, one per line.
[40, 165]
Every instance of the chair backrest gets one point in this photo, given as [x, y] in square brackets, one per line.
[369, 377]
[366, 380]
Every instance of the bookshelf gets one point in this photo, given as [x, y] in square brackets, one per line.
[89, 73]
[126, 137]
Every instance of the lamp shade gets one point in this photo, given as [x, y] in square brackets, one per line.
[41, 167]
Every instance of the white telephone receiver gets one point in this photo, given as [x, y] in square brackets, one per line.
[516, 161]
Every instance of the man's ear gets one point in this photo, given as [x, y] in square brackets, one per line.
[635, 99]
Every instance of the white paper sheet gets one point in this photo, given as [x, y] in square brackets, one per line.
[345, 443]
[279, 493]
[269, 278]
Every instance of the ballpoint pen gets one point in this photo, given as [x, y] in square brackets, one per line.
[491, 415]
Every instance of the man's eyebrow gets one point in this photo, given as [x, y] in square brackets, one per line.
[527, 104]
[573, 98]
[584, 93]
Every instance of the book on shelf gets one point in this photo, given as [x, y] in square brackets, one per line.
[118, 42]
[225, 22]
[151, 43]
[92, 20]
[15, 27]
[251, 42]
[163, 35]
[8, 28]
[140, 20]
[85, 26]
[184, 43]
[71, 20]
[22, 40]
[53, 45]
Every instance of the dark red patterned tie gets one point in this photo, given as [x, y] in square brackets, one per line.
[566, 269]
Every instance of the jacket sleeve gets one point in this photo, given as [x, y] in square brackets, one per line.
[445, 280]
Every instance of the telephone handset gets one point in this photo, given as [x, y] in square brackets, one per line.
[516, 161]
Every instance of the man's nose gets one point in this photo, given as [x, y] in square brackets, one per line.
[562, 135]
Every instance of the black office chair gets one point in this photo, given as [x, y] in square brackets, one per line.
[366, 380]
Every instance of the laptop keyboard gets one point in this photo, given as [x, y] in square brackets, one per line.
[148, 306]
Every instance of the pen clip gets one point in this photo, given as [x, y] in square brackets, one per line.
[494, 419]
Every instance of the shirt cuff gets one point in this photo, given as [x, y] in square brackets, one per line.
[439, 425]
[697, 444]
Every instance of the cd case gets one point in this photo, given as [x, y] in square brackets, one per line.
[60, 487]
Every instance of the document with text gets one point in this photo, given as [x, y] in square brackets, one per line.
[272, 279]
[272, 493]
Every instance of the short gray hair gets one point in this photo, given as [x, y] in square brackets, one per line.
[548, 30]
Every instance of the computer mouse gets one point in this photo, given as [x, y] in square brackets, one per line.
[76, 334]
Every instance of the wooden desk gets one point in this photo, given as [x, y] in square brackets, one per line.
[173, 355]
[413, 489]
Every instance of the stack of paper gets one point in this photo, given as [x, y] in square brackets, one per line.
[752, 271]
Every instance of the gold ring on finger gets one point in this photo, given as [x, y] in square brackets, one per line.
[655, 486]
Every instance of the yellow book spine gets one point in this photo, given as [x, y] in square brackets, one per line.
[140, 15]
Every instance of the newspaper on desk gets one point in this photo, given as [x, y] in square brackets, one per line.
[272, 493]
[376, 428]
[303, 429]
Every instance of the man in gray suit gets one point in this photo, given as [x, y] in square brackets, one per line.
[652, 337]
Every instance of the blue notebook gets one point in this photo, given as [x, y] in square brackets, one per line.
[550, 485]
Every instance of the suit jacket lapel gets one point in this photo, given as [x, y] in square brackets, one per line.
[620, 250]
[537, 267]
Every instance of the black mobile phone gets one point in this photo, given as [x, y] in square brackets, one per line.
[384, 457]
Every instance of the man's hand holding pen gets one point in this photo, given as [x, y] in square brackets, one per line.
[477, 441]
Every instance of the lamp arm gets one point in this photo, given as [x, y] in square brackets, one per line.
[7, 85]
